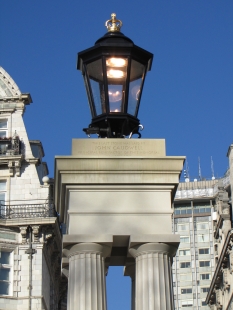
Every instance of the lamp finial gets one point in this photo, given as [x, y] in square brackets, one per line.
[113, 24]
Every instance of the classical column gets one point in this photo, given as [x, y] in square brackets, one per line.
[86, 284]
[153, 276]
[130, 271]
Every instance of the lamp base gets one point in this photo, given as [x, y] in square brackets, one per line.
[114, 126]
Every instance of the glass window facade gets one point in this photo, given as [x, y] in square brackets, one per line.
[205, 276]
[204, 251]
[5, 273]
[185, 265]
[2, 198]
[3, 134]
[205, 263]
[186, 290]
[186, 303]
[204, 289]
[184, 252]
[192, 266]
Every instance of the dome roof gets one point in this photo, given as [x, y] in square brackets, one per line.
[8, 87]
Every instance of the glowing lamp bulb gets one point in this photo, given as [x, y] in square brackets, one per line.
[116, 62]
[115, 74]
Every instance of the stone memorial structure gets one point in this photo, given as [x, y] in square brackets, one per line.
[114, 197]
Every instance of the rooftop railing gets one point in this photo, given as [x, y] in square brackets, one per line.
[205, 188]
[27, 211]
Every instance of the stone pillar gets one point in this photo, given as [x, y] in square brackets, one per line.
[153, 276]
[130, 271]
[86, 284]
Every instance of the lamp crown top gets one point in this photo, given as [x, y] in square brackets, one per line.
[113, 24]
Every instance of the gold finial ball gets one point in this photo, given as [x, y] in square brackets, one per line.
[113, 24]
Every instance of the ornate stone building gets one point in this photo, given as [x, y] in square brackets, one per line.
[220, 294]
[30, 238]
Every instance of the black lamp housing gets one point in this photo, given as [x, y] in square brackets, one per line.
[114, 71]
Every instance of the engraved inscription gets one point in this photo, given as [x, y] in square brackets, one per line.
[118, 148]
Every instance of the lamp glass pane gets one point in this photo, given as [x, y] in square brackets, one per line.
[95, 75]
[135, 86]
[116, 77]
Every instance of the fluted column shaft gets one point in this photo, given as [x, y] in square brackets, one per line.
[86, 285]
[130, 271]
[153, 276]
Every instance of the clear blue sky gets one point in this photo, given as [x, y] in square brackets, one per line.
[188, 95]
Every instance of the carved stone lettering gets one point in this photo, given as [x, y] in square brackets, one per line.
[118, 148]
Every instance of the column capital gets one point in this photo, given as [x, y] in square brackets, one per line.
[130, 270]
[87, 248]
[162, 248]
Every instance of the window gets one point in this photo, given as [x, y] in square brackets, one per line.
[202, 207]
[184, 239]
[183, 210]
[2, 198]
[186, 277]
[204, 251]
[201, 226]
[181, 227]
[184, 252]
[203, 303]
[5, 272]
[3, 134]
[185, 265]
[205, 289]
[205, 276]
[203, 238]
[186, 290]
[2, 191]
[186, 303]
[205, 263]
[3, 128]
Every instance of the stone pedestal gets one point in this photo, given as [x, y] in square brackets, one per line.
[153, 276]
[119, 192]
[87, 286]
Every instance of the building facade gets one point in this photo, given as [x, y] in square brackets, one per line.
[193, 265]
[30, 239]
[220, 295]
[195, 220]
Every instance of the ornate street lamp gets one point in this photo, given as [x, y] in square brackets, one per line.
[114, 71]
